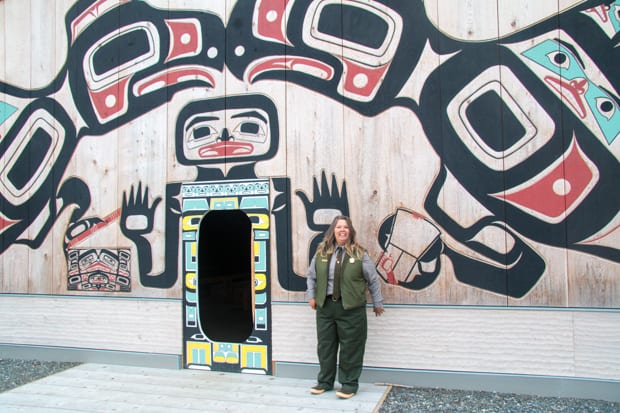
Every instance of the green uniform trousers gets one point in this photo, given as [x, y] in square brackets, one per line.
[348, 329]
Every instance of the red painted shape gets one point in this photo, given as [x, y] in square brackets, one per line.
[101, 100]
[184, 39]
[170, 77]
[6, 223]
[574, 173]
[291, 63]
[372, 75]
[106, 221]
[226, 149]
[270, 22]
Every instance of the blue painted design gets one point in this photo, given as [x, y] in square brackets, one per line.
[6, 110]
[614, 15]
[195, 205]
[573, 81]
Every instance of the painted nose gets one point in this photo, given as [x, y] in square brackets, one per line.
[226, 136]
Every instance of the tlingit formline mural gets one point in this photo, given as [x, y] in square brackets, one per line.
[477, 155]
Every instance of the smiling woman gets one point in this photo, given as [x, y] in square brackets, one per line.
[339, 275]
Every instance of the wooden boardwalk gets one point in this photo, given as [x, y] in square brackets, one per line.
[113, 388]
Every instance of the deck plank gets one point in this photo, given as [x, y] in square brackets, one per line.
[105, 388]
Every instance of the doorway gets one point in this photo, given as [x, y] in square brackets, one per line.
[225, 276]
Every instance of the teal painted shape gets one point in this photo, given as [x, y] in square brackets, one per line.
[200, 204]
[6, 110]
[558, 59]
[614, 17]
[253, 202]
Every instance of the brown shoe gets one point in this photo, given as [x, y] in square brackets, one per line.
[318, 389]
[345, 394]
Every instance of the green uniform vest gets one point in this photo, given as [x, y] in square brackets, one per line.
[352, 283]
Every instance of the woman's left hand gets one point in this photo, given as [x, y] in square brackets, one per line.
[378, 311]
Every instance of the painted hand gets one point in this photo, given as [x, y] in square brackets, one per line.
[137, 215]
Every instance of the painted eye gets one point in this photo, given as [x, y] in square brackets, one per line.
[251, 132]
[201, 134]
[250, 128]
[559, 59]
[606, 107]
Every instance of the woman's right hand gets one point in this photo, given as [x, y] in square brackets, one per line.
[312, 303]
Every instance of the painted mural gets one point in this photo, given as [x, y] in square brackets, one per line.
[475, 147]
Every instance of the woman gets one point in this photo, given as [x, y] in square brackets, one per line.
[337, 279]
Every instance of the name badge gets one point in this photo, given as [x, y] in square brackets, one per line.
[351, 260]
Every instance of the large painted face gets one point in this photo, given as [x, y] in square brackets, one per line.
[226, 134]
[560, 64]
[232, 130]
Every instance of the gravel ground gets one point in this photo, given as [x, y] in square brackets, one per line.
[14, 373]
[424, 400]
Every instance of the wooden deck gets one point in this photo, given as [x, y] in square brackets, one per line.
[113, 388]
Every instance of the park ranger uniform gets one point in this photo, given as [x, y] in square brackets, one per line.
[338, 283]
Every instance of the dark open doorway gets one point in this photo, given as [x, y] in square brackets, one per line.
[225, 280]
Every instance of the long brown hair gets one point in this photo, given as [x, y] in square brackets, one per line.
[352, 248]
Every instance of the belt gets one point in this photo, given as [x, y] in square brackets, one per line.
[331, 297]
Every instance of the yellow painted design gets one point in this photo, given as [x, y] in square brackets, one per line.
[224, 203]
[191, 222]
[254, 356]
[199, 353]
[226, 353]
[190, 280]
[261, 221]
[260, 281]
